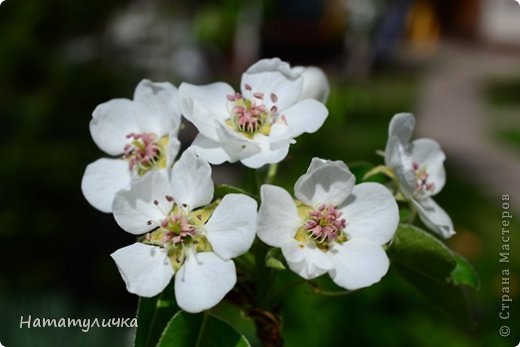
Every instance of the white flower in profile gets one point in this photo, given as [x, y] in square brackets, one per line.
[333, 226]
[257, 124]
[141, 135]
[419, 168]
[184, 235]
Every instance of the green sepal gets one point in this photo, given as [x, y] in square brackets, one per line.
[273, 259]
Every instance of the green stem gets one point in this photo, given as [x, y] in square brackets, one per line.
[413, 213]
[317, 290]
[263, 272]
[202, 327]
[288, 286]
[253, 182]
[271, 174]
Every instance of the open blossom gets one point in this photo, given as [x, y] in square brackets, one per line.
[184, 234]
[141, 135]
[315, 83]
[257, 124]
[419, 167]
[332, 226]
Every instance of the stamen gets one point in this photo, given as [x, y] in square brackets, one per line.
[143, 152]
[324, 224]
[422, 183]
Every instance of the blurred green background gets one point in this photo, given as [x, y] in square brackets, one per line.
[61, 58]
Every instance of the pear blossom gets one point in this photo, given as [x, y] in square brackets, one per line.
[315, 83]
[419, 168]
[332, 226]
[183, 233]
[139, 134]
[257, 124]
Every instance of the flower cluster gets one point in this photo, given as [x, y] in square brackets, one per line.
[330, 225]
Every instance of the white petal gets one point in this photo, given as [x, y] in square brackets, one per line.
[427, 152]
[135, 210]
[191, 181]
[316, 163]
[216, 152]
[270, 152]
[325, 183]
[306, 260]
[145, 269]
[174, 145]
[205, 106]
[402, 126]
[273, 76]
[159, 110]
[111, 122]
[358, 263]
[402, 165]
[231, 228]
[307, 116]
[434, 217]
[203, 281]
[102, 180]
[315, 84]
[278, 218]
[371, 213]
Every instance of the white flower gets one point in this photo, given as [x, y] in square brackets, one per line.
[315, 83]
[257, 124]
[184, 235]
[333, 226]
[419, 168]
[141, 134]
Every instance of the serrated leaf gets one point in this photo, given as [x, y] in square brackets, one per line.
[152, 316]
[465, 274]
[429, 266]
[200, 330]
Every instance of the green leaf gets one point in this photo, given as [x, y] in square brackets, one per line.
[366, 172]
[464, 273]
[381, 169]
[200, 330]
[152, 316]
[223, 189]
[434, 270]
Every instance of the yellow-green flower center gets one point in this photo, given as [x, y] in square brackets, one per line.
[322, 225]
[423, 183]
[145, 151]
[249, 115]
[181, 230]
